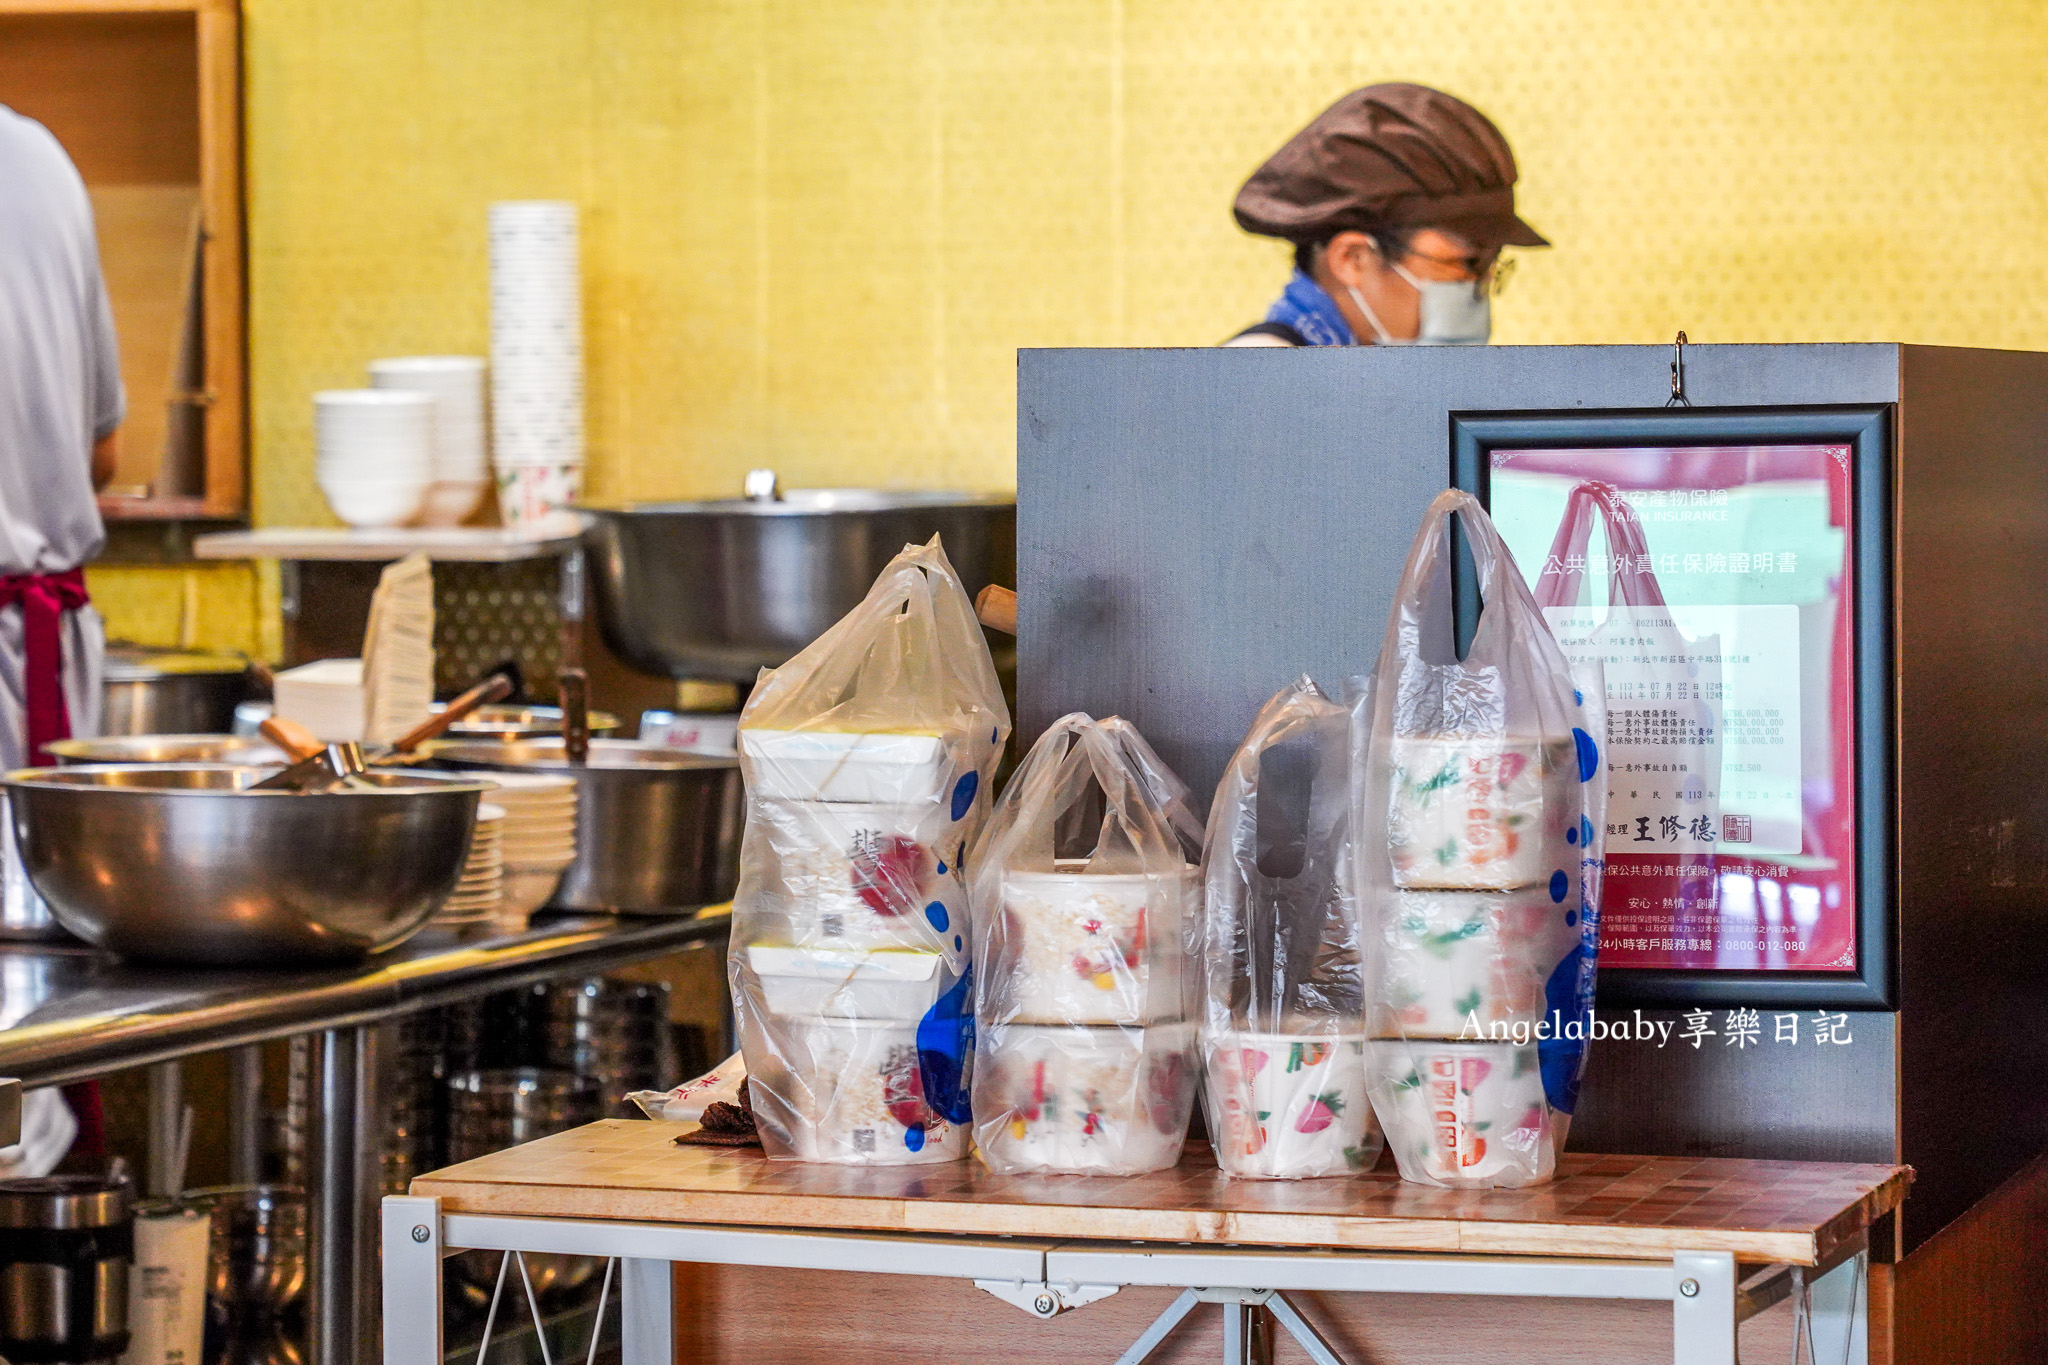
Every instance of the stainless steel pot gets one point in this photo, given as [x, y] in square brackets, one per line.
[211, 748]
[657, 830]
[257, 1260]
[66, 1245]
[489, 1111]
[723, 589]
[177, 863]
[165, 692]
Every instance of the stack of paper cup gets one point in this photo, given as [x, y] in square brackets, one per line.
[536, 359]
[1482, 837]
[375, 453]
[459, 459]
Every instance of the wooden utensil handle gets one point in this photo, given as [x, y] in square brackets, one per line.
[997, 608]
[575, 702]
[497, 687]
[295, 739]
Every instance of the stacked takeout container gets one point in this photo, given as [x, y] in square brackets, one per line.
[869, 934]
[536, 359]
[1483, 802]
[1085, 1056]
[867, 759]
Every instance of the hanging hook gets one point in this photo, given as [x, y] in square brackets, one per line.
[1678, 398]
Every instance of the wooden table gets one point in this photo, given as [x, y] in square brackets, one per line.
[1718, 1239]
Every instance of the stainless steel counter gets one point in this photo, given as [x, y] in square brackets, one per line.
[68, 1014]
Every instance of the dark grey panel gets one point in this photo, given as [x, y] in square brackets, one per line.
[1197, 527]
[1776, 1100]
[1973, 745]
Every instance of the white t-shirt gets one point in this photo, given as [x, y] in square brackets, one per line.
[60, 373]
[60, 391]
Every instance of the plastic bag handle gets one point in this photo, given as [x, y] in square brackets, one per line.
[1490, 555]
[1629, 581]
[1247, 767]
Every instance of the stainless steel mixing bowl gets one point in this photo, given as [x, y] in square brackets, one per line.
[657, 830]
[177, 863]
[723, 589]
[242, 749]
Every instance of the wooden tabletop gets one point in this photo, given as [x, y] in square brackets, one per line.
[1632, 1207]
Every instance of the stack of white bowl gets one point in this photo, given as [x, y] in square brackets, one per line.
[475, 898]
[536, 359]
[459, 460]
[375, 449]
[538, 840]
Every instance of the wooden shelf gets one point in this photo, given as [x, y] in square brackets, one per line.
[463, 544]
[145, 96]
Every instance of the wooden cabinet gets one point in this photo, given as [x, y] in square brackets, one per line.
[146, 97]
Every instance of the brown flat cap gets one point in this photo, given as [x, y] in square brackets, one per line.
[1391, 155]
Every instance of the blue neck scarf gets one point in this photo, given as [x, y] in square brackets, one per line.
[1306, 307]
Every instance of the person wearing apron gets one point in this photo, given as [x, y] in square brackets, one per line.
[1398, 199]
[60, 404]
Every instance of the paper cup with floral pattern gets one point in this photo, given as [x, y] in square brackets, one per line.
[1102, 1101]
[1466, 1114]
[538, 495]
[1479, 814]
[1456, 961]
[1293, 1106]
[1094, 948]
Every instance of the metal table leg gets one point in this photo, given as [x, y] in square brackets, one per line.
[412, 1281]
[345, 1169]
[646, 1312]
[245, 1115]
[1840, 1313]
[1703, 1308]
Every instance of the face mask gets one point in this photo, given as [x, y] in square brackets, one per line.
[1454, 313]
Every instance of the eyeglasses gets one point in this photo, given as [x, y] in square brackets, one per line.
[1489, 270]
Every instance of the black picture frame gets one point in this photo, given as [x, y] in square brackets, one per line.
[1868, 430]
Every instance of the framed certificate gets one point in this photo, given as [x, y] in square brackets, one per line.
[1729, 570]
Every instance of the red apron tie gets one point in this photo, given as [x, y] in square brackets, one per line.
[43, 599]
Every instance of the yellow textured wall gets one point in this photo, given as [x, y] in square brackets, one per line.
[211, 605]
[817, 230]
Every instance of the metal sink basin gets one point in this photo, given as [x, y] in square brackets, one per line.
[176, 863]
[725, 588]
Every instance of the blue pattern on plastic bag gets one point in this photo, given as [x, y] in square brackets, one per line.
[963, 794]
[945, 1051]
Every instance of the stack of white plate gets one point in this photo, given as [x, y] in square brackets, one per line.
[476, 895]
[536, 359]
[326, 697]
[539, 837]
[375, 453]
[460, 459]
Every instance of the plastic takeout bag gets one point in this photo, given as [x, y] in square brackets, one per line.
[867, 760]
[1288, 964]
[1480, 817]
[1086, 894]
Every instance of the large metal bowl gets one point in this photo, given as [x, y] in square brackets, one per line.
[657, 830]
[243, 749]
[177, 863]
[726, 588]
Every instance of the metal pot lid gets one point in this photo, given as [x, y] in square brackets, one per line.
[506, 721]
[134, 663]
[803, 502]
[66, 1201]
[546, 755]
